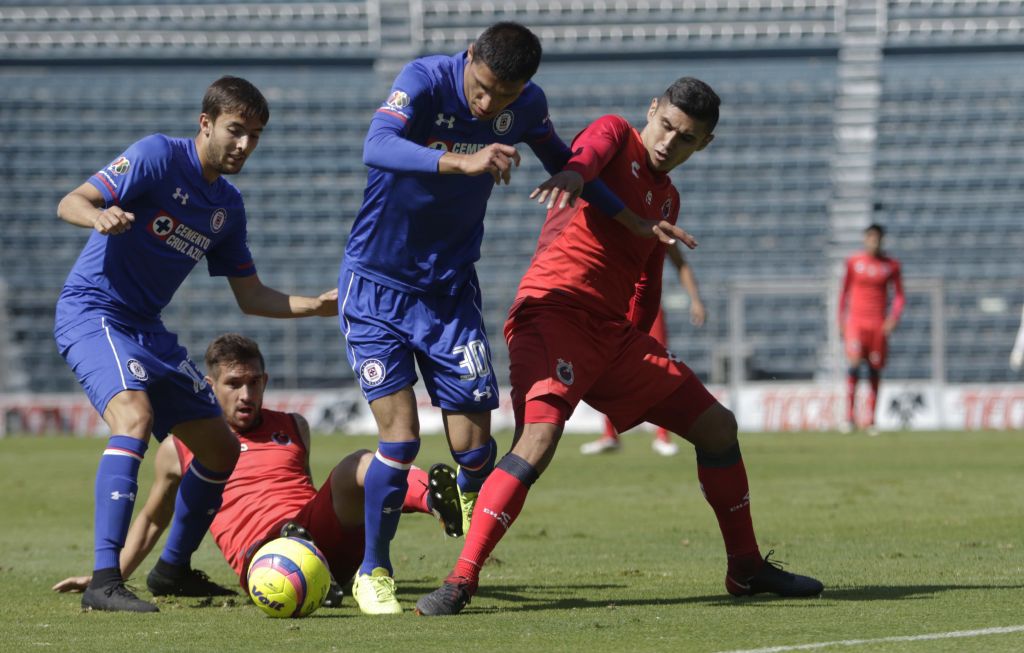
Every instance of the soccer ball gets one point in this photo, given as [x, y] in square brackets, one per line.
[288, 577]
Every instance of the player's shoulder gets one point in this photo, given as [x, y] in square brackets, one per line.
[431, 68]
[154, 147]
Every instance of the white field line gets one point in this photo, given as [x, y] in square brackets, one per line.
[1002, 630]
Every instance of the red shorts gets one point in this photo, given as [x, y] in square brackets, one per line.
[568, 353]
[343, 549]
[866, 341]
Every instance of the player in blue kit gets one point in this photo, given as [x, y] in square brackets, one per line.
[155, 212]
[408, 291]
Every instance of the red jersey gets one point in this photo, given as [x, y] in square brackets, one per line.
[586, 259]
[866, 288]
[270, 484]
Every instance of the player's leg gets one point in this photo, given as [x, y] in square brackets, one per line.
[854, 358]
[200, 494]
[663, 443]
[691, 410]
[475, 451]
[607, 443]
[106, 361]
[876, 356]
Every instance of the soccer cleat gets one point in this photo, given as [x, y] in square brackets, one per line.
[115, 597]
[846, 427]
[294, 529]
[873, 431]
[334, 595]
[167, 579]
[443, 498]
[600, 445]
[664, 447]
[453, 595]
[772, 579]
[374, 593]
[467, 501]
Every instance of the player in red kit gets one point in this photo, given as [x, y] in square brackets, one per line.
[578, 330]
[271, 491]
[863, 322]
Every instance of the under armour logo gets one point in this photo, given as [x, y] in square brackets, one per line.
[181, 197]
[162, 226]
[116, 496]
[486, 394]
[443, 120]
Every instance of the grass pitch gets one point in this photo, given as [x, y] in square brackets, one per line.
[911, 534]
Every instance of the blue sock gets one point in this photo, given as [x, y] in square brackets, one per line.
[116, 487]
[199, 498]
[387, 481]
[475, 465]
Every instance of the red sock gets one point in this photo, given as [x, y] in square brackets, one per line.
[725, 488]
[851, 394]
[874, 377]
[663, 435]
[416, 496]
[501, 499]
[609, 430]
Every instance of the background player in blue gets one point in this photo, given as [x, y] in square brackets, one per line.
[155, 212]
[408, 289]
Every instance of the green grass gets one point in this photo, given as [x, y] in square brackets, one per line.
[911, 533]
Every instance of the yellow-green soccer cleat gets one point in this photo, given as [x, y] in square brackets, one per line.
[374, 593]
[468, 502]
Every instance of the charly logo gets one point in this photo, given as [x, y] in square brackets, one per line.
[217, 220]
[564, 372]
[503, 123]
[372, 372]
[137, 370]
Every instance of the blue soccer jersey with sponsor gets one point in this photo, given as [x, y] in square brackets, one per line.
[417, 230]
[180, 219]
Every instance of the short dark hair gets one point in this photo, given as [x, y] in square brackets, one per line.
[694, 98]
[235, 95]
[877, 228]
[232, 348]
[510, 50]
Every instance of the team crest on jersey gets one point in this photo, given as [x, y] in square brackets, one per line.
[398, 100]
[280, 437]
[217, 220]
[162, 226]
[503, 123]
[137, 370]
[564, 372]
[372, 372]
[666, 209]
[120, 165]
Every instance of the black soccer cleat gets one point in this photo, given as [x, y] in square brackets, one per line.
[449, 599]
[443, 498]
[114, 597]
[166, 579]
[772, 579]
[294, 529]
[334, 596]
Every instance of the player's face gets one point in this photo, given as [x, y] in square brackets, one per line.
[487, 95]
[671, 137]
[239, 388]
[227, 142]
[872, 242]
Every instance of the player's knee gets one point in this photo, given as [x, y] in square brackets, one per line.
[128, 414]
[715, 431]
[222, 455]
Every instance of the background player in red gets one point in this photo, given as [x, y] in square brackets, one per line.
[863, 323]
[271, 488]
[663, 443]
[570, 339]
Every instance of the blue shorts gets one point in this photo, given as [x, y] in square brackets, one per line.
[108, 358]
[386, 330]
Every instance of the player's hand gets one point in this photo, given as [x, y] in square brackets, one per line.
[663, 230]
[73, 584]
[113, 221]
[888, 326]
[328, 303]
[497, 159]
[567, 184]
[697, 313]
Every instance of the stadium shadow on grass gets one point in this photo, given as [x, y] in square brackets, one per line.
[533, 598]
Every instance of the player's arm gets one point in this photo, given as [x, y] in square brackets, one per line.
[844, 294]
[150, 523]
[254, 298]
[646, 302]
[689, 283]
[899, 300]
[302, 428]
[84, 207]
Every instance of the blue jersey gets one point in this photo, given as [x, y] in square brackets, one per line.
[419, 231]
[180, 219]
